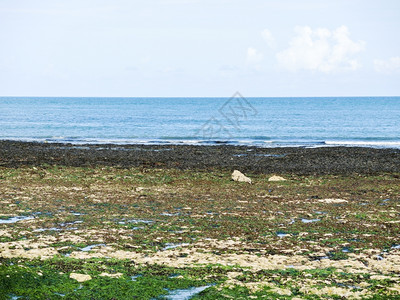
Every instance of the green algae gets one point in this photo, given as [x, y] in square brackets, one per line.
[36, 279]
[49, 279]
[187, 207]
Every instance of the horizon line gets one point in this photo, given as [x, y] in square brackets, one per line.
[186, 97]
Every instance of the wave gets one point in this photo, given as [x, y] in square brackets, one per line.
[385, 144]
[306, 143]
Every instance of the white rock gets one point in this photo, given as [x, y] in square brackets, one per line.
[139, 189]
[116, 275]
[333, 200]
[276, 178]
[239, 176]
[80, 277]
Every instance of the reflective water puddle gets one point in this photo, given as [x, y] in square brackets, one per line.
[310, 220]
[135, 277]
[135, 221]
[47, 229]
[15, 219]
[282, 234]
[88, 248]
[185, 294]
[172, 246]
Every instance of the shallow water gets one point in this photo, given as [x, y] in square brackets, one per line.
[70, 223]
[135, 277]
[281, 235]
[290, 266]
[184, 294]
[47, 229]
[77, 214]
[173, 246]
[58, 294]
[349, 286]
[321, 257]
[88, 248]
[270, 155]
[310, 220]
[259, 154]
[15, 219]
[135, 221]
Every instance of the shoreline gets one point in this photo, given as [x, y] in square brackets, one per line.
[251, 159]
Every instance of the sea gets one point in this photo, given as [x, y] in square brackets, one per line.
[236, 120]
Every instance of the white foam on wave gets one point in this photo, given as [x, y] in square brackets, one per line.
[364, 143]
[212, 142]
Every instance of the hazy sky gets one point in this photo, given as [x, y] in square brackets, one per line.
[199, 48]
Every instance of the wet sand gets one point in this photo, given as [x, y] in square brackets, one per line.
[300, 161]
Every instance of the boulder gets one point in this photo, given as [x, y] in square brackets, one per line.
[116, 275]
[276, 178]
[239, 176]
[80, 277]
[329, 200]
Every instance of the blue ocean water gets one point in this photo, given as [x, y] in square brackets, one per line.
[267, 122]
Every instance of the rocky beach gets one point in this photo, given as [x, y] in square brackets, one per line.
[295, 160]
[168, 222]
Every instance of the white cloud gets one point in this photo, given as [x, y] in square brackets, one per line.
[269, 38]
[253, 56]
[321, 50]
[387, 66]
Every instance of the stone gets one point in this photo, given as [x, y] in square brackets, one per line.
[239, 176]
[333, 200]
[80, 277]
[276, 178]
[116, 275]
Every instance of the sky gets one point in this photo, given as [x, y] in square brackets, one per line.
[199, 48]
